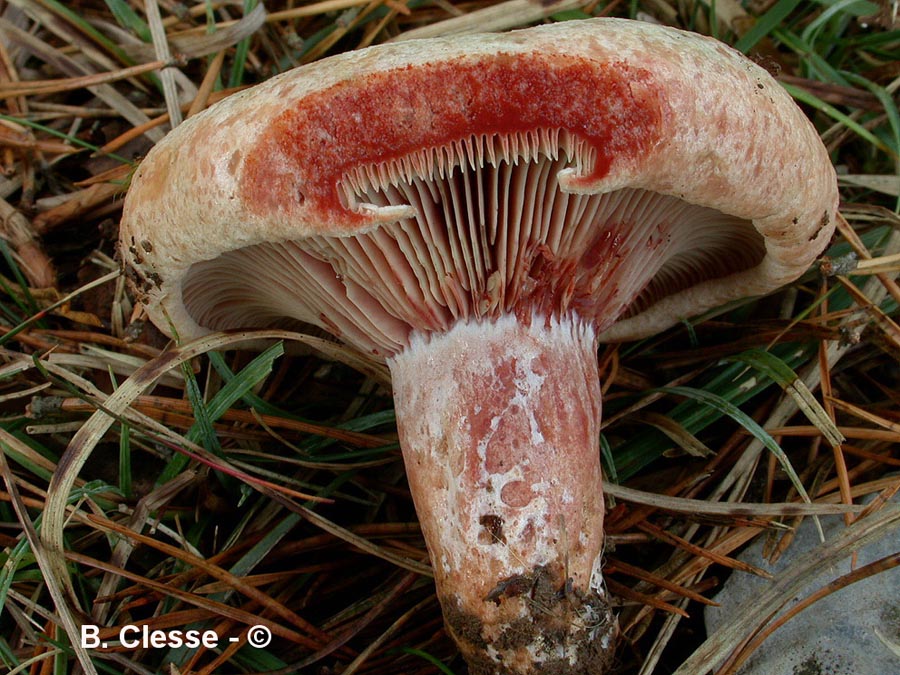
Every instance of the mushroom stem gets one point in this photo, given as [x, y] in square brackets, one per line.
[499, 424]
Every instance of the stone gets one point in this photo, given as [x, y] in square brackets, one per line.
[854, 631]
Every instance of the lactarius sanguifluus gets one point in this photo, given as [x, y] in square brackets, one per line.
[477, 212]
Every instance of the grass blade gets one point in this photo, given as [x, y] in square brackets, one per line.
[748, 423]
[765, 24]
[782, 374]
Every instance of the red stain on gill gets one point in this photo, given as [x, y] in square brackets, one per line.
[554, 286]
[388, 115]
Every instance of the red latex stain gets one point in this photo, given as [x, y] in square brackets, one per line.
[553, 286]
[506, 426]
[389, 115]
[497, 418]
[562, 409]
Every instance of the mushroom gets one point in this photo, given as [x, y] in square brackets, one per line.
[477, 212]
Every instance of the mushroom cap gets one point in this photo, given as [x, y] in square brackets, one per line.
[637, 113]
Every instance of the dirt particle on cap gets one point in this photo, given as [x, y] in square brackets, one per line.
[155, 279]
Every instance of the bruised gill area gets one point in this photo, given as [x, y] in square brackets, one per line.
[486, 230]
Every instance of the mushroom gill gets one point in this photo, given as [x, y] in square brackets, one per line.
[488, 231]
